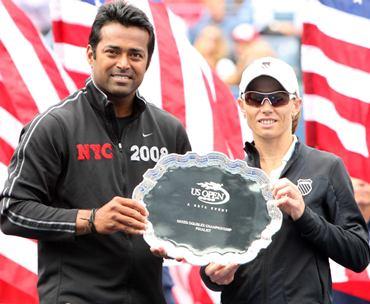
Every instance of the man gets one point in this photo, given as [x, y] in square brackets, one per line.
[362, 197]
[77, 164]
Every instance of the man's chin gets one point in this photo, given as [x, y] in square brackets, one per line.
[119, 95]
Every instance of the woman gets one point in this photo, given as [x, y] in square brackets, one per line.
[312, 189]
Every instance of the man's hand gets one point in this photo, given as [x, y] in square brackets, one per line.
[121, 214]
[221, 274]
[288, 198]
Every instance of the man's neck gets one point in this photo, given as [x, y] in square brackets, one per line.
[123, 107]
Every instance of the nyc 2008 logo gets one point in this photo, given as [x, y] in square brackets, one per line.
[144, 153]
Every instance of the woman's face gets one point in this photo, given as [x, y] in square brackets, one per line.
[266, 121]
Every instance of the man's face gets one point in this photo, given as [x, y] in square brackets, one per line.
[120, 61]
[362, 192]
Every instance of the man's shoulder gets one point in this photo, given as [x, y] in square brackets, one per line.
[57, 113]
[161, 115]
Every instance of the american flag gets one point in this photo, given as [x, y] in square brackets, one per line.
[336, 78]
[32, 77]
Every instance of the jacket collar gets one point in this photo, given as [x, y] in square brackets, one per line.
[253, 159]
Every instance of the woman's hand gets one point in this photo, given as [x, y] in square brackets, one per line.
[221, 274]
[288, 198]
[162, 253]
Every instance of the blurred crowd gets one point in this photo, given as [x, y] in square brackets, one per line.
[232, 33]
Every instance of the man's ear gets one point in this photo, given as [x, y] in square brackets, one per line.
[90, 55]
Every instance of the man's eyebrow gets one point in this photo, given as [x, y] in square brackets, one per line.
[117, 48]
[140, 50]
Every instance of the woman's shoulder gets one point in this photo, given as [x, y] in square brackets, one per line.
[317, 155]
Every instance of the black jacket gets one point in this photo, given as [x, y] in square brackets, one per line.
[71, 158]
[295, 268]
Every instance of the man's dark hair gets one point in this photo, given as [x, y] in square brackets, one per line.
[125, 14]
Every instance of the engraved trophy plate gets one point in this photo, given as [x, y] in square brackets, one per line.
[208, 208]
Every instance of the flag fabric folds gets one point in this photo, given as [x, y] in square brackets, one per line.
[336, 77]
[32, 78]
[336, 74]
[30, 81]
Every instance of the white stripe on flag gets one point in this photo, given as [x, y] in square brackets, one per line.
[27, 62]
[71, 86]
[338, 272]
[246, 131]
[199, 121]
[3, 176]
[22, 251]
[73, 57]
[321, 110]
[73, 12]
[337, 24]
[337, 75]
[10, 128]
[151, 87]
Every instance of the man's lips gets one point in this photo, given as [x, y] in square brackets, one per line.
[121, 76]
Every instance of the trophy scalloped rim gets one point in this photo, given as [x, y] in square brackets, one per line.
[217, 255]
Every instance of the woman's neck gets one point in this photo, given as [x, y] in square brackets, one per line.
[272, 152]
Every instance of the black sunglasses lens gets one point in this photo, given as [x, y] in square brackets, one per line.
[279, 99]
[254, 99]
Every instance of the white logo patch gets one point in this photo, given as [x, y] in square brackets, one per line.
[212, 193]
[304, 186]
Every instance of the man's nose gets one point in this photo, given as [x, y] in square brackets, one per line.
[123, 62]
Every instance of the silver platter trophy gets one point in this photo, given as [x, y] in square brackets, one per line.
[208, 208]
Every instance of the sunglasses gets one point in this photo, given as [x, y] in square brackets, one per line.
[276, 99]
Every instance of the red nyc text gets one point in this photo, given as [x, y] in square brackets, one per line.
[94, 151]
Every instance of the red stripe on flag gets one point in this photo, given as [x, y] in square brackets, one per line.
[6, 152]
[317, 136]
[32, 35]
[359, 289]
[5, 101]
[16, 88]
[74, 34]
[352, 55]
[227, 119]
[197, 290]
[10, 294]
[17, 284]
[227, 135]
[351, 109]
[78, 78]
[172, 84]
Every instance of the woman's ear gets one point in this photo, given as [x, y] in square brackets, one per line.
[241, 105]
[297, 106]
